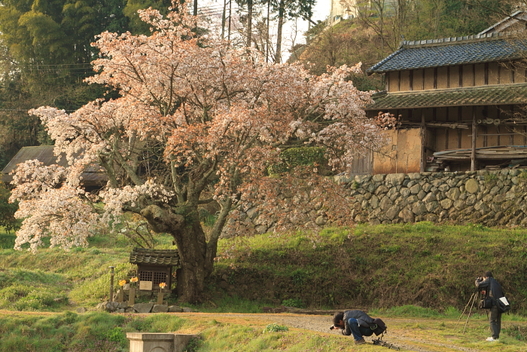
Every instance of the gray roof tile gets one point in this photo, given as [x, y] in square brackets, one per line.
[92, 175]
[165, 257]
[466, 96]
[452, 51]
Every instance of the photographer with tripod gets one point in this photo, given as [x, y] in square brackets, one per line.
[491, 291]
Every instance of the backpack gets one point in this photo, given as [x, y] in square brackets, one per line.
[380, 326]
[503, 304]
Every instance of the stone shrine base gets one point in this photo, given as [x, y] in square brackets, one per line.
[158, 342]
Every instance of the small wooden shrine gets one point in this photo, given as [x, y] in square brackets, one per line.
[154, 266]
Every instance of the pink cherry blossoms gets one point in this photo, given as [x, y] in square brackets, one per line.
[197, 121]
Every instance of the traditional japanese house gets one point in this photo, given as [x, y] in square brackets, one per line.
[154, 266]
[460, 103]
[92, 177]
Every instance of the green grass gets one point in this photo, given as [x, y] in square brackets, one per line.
[420, 276]
[7, 240]
[55, 280]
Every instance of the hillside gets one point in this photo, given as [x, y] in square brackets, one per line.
[376, 32]
[423, 264]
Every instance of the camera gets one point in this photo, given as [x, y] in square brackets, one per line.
[332, 327]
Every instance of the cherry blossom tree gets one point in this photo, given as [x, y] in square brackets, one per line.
[196, 122]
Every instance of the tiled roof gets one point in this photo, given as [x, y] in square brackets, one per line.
[452, 51]
[91, 176]
[467, 96]
[155, 256]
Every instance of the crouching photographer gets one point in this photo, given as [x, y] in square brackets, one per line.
[358, 323]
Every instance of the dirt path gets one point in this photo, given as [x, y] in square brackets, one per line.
[399, 334]
[419, 335]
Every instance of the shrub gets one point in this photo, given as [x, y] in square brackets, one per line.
[293, 302]
[303, 156]
[275, 328]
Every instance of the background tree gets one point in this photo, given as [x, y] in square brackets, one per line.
[248, 19]
[197, 122]
[131, 8]
[7, 210]
[339, 45]
[398, 20]
[381, 25]
[289, 9]
[45, 53]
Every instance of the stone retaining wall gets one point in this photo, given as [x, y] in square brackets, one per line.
[490, 198]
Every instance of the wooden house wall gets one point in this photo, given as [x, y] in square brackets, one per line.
[455, 74]
[479, 76]
[404, 80]
[418, 79]
[452, 126]
[442, 77]
[362, 164]
[393, 81]
[468, 77]
[429, 78]
[452, 77]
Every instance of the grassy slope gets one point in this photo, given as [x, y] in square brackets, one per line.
[367, 266]
[375, 266]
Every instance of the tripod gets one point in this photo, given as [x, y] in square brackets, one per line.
[471, 302]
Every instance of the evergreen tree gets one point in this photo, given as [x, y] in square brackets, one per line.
[289, 9]
[132, 6]
[45, 55]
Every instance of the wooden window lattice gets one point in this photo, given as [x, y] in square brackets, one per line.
[155, 276]
[145, 275]
[159, 278]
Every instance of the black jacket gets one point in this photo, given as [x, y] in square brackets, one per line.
[363, 319]
[492, 288]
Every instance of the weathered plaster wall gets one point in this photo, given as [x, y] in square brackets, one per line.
[402, 154]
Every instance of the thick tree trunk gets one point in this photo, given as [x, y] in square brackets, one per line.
[191, 243]
[195, 267]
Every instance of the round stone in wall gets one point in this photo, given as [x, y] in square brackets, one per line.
[471, 186]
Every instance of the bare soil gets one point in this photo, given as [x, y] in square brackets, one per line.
[399, 334]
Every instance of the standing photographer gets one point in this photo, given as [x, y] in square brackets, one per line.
[491, 291]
